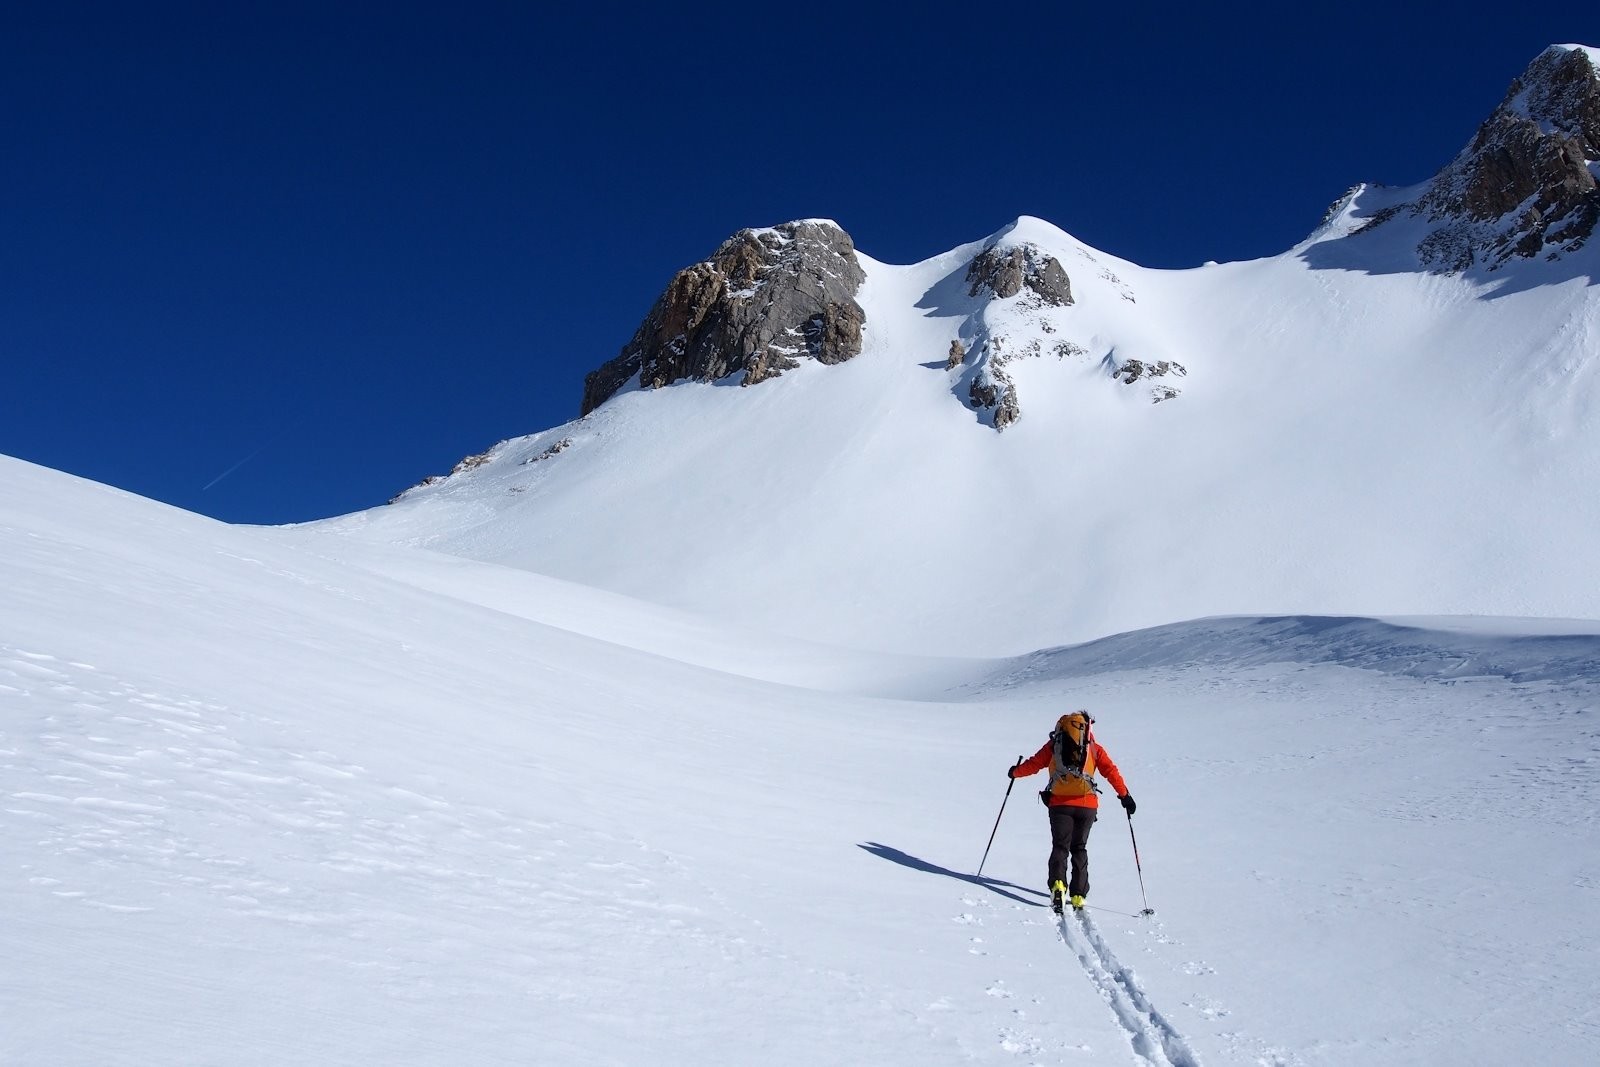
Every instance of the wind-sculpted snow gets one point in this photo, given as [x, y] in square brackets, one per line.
[1443, 649]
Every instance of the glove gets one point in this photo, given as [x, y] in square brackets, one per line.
[1011, 772]
[1127, 803]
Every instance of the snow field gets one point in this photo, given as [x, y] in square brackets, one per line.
[268, 804]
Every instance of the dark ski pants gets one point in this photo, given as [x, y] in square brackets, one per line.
[1069, 836]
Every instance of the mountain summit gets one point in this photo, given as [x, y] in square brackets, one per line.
[764, 300]
[1523, 187]
[771, 297]
[1349, 427]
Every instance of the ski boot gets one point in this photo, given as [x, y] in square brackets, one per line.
[1077, 902]
[1058, 897]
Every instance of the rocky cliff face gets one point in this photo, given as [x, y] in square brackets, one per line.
[1525, 185]
[766, 299]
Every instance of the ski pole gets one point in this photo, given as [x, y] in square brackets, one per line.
[1148, 910]
[990, 845]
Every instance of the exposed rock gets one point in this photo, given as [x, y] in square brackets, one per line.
[432, 479]
[1007, 273]
[554, 450]
[1023, 319]
[1022, 270]
[473, 462]
[1525, 184]
[958, 354]
[992, 387]
[764, 300]
[1134, 369]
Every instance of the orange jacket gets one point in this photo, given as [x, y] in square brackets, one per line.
[1040, 760]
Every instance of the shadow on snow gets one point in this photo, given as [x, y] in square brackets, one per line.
[894, 855]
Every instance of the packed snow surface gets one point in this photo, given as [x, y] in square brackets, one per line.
[282, 796]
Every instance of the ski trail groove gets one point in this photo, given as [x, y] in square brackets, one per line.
[1154, 1039]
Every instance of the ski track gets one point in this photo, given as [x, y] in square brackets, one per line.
[1154, 1039]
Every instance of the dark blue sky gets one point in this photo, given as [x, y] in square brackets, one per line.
[274, 262]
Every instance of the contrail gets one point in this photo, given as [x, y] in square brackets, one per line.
[243, 461]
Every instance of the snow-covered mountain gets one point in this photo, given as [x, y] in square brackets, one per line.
[1348, 427]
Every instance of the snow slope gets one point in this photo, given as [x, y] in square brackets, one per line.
[272, 796]
[1353, 436]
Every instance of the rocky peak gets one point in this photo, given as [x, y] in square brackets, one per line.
[766, 299]
[1028, 311]
[1005, 272]
[1525, 184]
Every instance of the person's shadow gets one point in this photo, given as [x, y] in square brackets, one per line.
[894, 855]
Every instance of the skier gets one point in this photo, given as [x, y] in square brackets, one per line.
[1074, 757]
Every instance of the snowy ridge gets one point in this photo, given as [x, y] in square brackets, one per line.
[1527, 650]
[1339, 418]
[1522, 189]
[1592, 53]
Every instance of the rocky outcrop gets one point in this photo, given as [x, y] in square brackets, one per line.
[766, 299]
[1025, 316]
[1134, 370]
[472, 463]
[1021, 283]
[551, 452]
[1525, 185]
[430, 480]
[1005, 273]
[992, 388]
